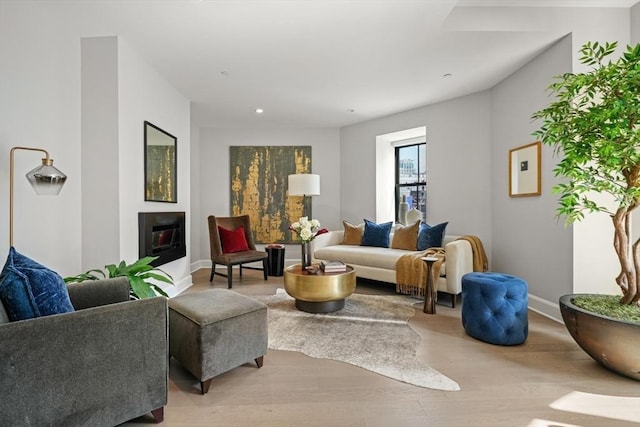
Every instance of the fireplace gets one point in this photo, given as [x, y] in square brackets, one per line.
[162, 235]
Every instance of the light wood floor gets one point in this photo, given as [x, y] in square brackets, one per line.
[548, 381]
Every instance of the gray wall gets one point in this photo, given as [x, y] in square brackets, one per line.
[100, 226]
[468, 141]
[528, 240]
[458, 164]
[214, 175]
[635, 23]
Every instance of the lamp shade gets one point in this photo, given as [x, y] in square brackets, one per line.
[304, 184]
[46, 179]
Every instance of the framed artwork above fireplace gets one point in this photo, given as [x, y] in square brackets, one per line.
[160, 165]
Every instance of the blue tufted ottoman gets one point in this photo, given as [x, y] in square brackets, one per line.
[494, 308]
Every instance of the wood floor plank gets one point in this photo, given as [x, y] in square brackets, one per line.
[500, 386]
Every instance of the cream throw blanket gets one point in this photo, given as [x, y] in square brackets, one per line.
[411, 271]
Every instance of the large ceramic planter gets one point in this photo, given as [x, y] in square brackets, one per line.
[613, 343]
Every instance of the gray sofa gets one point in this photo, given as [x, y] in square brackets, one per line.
[102, 365]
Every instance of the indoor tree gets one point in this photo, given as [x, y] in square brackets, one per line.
[594, 126]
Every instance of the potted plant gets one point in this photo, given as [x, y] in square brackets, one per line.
[594, 126]
[140, 274]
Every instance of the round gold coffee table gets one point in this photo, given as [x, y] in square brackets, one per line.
[319, 292]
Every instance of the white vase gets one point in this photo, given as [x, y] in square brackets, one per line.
[403, 207]
[413, 215]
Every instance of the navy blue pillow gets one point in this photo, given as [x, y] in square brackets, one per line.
[376, 234]
[431, 236]
[28, 289]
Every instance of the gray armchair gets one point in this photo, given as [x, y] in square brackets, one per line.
[102, 365]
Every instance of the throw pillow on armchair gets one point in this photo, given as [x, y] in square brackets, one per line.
[29, 289]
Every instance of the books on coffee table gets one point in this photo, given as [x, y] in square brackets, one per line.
[333, 266]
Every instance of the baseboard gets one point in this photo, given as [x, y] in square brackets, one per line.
[545, 308]
[203, 263]
[178, 287]
[206, 263]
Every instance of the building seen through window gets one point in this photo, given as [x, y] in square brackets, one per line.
[411, 177]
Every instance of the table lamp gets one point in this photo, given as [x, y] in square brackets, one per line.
[304, 184]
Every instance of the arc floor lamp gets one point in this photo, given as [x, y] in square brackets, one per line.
[45, 180]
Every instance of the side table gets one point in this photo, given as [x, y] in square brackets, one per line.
[429, 292]
[319, 292]
[275, 262]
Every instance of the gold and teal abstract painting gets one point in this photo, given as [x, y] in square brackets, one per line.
[259, 188]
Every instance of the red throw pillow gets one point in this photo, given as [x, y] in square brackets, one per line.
[233, 241]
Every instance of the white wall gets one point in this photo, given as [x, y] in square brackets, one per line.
[528, 241]
[215, 184]
[595, 264]
[40, 107]
[100, 153]
[143, 94]
[458, 164]
[196, 224]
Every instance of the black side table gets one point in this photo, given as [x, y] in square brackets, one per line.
[276, 259]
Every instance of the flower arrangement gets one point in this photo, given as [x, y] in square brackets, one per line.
[306, 229]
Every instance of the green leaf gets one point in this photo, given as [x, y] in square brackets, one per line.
[141, 277]
[140, 288]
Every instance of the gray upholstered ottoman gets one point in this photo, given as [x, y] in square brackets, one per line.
[213, 331]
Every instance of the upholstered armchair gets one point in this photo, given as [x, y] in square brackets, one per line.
[232, 243]
[101, 365]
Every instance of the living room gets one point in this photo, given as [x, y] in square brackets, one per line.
[495, 120]
[83, 95]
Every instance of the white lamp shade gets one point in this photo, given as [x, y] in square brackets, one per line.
[304, 184]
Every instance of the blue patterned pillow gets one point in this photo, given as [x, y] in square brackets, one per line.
[431, 236]
[28, 289]
[376, 234]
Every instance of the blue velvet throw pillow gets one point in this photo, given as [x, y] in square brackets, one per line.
[376, 234]
[28, 289]
[431, 236]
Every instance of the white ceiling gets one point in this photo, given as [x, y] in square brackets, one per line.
[321, 63]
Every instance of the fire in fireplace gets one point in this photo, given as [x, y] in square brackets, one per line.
[162, 235]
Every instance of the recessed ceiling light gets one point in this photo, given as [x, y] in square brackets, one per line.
[259, 111]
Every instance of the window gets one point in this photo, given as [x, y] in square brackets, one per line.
[411, 177]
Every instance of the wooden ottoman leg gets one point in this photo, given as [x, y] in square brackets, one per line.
[259, 361]
[158, 414]
[204, 386]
